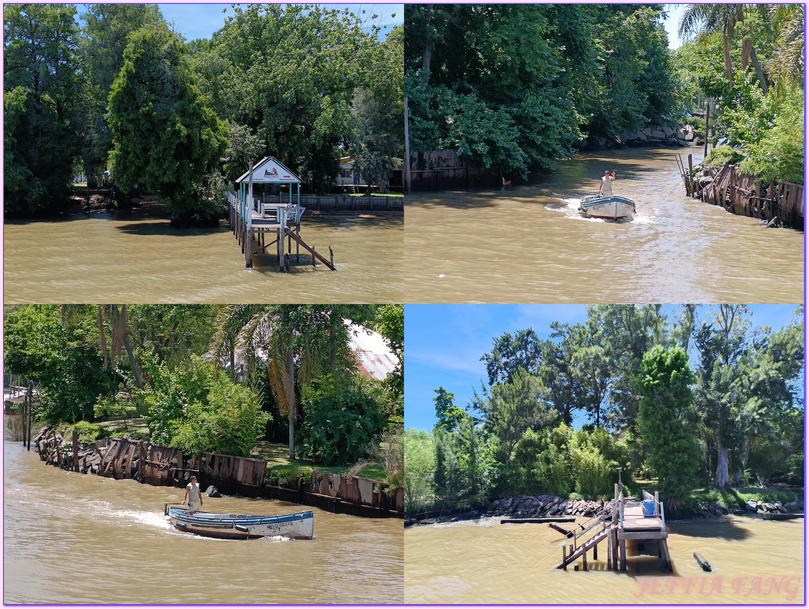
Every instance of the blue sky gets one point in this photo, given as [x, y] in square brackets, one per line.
[675, 13]
[444, 344]
[201, 20]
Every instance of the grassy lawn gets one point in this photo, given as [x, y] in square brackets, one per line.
[277, 457]
[735, 496]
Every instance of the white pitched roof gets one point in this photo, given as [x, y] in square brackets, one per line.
[270, 171]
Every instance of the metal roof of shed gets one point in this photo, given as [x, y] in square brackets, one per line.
[270, 170]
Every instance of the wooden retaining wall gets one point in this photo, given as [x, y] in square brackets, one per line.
[123, 458]
[743, 195]
[339, 202]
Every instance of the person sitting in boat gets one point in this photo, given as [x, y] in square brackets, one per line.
[193, 495]
[605, 190]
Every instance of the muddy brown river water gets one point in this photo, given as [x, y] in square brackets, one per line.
[115, 259]
[529, 244]
[73, 538]
[482, 561]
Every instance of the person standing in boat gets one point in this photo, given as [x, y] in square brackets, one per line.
[193, 495]
[605, 190]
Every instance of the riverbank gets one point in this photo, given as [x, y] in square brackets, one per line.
[775, 204]
[147, 463]
[550, 506]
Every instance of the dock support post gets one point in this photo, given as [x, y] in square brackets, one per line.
[622, 543]
[564, 556]
[75, 450]
[609, 549]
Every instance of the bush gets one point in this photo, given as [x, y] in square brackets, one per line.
[341, 420]
[88, 432]
[721, 155]
[199, 409]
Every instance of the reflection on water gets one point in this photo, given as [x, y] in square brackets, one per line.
[754, 561]
[102, 259]
[530, 244]
[73, 538]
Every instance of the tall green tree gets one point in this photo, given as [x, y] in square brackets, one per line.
[672, 449]
[40, 90]
[511, 408]
[166, 139]
[104, 38]
[297, 98]
[448, 416]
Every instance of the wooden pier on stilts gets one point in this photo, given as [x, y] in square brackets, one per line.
[252, 218]
[628, 520]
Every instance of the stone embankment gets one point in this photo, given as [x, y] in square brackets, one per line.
[548, 506]
[665, 135]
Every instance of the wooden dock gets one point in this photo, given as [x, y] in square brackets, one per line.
[251, 221]
[625, 522]
[255, 216]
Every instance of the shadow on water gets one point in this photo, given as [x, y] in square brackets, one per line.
[719, 529]
[164, 228]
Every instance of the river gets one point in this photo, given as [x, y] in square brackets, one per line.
[529, 244]
[482, 561]
[72, 538]
[105, 258]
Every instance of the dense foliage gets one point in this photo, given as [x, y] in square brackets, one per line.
[692, 397]
[114, 88]
[514, 87]
[749, 59]
[213, 378]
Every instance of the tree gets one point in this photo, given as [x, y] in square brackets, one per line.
[298, 97]
[165, 137]
[721, 341]
[449, 416]
[672, 450]
[512, 407]
[101, 55]
[197, 408]
[61, 356]
[40, 89]
[389, 322]
[419, 485]
[510, 353]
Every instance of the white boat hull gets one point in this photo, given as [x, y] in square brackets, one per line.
[610, 208]
[239, 526]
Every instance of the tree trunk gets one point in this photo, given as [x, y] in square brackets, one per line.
[759, 72]
[133, 363]
[728, 64]
[102, 336]
[291, 410]
[407, 148]
[721, 480]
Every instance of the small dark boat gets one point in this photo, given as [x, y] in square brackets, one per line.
[240, 526]
[610, 208]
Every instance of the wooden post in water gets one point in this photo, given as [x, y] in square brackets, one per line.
[75, 449]
[30, 408]
[707, 121]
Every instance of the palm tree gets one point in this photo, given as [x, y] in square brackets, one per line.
[787, 63]
[710, 18]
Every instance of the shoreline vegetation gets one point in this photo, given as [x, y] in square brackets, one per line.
[699, 404]
[513, 88]
[754, 502]
[114, 93]
[220, 380]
